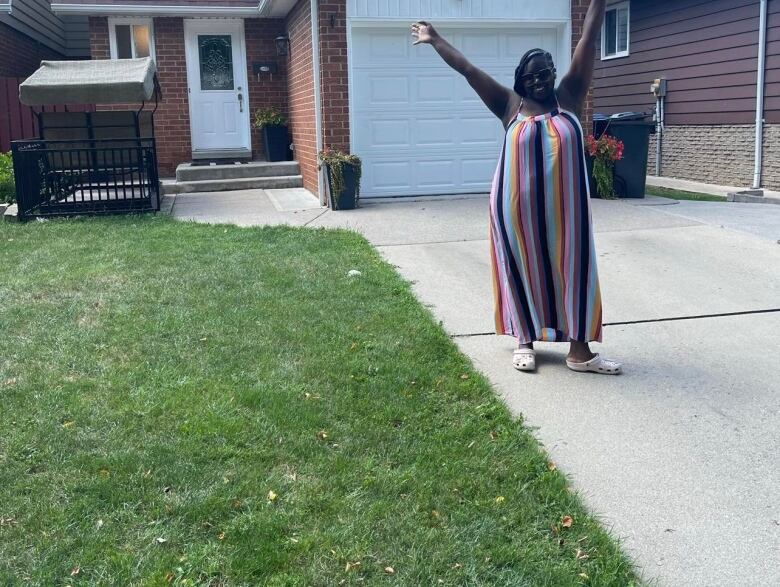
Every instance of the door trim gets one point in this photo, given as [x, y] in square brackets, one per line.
[207, 25]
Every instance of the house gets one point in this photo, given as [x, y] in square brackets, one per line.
[31, 32]
[709, 52]
[344, 71]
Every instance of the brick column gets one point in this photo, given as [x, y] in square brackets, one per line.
[335, 73]
[579, 9]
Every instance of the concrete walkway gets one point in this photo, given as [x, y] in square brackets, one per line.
[680, 455]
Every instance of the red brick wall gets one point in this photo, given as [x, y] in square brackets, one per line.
[335, 74]
[172, 119]
[300, 84]
[20, 55]
[579, 9]
[269, 89]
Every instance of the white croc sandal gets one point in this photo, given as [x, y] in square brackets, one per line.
[524, 359]
[596, 365]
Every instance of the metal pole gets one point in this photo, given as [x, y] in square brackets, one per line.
[315, 57]
[760, 97]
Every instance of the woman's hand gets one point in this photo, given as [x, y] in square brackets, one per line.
[423, 32]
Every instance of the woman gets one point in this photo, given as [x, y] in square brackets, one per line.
[544, 264]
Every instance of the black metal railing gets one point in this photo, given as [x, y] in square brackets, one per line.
[69, 177]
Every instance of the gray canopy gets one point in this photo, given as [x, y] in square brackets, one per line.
[103, 81]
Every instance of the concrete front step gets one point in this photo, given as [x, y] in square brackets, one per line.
[225, 185]
[187, 172]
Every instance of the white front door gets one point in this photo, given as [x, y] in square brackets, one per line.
[217, 81]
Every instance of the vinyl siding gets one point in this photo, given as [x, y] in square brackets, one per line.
[707, 50]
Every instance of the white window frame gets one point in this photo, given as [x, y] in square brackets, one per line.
[617, 5]
[112, 22]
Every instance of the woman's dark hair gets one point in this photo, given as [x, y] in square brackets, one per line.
[519, 88]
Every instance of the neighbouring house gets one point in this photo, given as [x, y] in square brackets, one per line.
[709, 53]
[31, 32]
[344, 71]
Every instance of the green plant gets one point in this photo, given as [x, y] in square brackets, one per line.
[605, 151]
[335, 162]
[269, 117]
[7, 185]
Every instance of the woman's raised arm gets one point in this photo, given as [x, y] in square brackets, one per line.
[574, 86]
[495, 96]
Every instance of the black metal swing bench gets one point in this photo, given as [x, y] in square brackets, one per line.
[89, 162]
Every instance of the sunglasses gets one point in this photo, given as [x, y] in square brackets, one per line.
[543, 75]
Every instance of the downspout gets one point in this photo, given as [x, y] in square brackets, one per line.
[760, 96]
[315, 57]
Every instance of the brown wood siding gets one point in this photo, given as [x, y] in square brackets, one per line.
[708, 52]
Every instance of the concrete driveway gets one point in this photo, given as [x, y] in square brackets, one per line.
[680, 455]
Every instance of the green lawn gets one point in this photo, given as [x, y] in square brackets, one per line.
[206, 405]
[681, 195]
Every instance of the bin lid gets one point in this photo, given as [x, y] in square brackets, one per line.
[629, 116]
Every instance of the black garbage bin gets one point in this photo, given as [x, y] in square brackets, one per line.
[634, 129]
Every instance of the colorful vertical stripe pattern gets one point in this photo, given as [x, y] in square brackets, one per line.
[545, 279]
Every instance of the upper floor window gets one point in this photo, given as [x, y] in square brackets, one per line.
[131, 38]
[615, 34]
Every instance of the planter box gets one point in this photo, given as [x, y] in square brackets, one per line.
[348, 199]
[277, 142]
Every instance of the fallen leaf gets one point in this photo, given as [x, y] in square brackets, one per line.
[169, 577]
[351, 566]
[147, 474]
[552, 466]
[75, 571]
[581, 555]
[237, 504]
[390, 570]
[464, 376]
[104, 473]
[494, 435]
[435, 514]
[11, 381]
[99, 524]
[322, 435]
[353, 346]
[161, 540]
[221, 536]
[68, 424]
[584, 575]
[272, 496]
[500, 499]
[567, 522]
[457, 566]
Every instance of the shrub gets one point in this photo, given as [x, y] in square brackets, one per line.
[7, 185]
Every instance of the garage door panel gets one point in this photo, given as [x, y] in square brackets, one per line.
[388, 89]
[438, 174]
[480, 45]
[388, 175]
[390, 133]
[434, 88]
[478, 172]
[434, 132]
[480, 131]
[418, 125]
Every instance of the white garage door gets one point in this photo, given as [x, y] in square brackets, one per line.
[417, 124]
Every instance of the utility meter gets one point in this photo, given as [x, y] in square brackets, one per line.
[658, 87]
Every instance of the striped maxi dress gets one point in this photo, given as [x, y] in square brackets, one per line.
[545, 279]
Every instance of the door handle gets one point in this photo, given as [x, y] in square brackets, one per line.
[240, 101]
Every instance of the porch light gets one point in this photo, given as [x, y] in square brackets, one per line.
[282, 45]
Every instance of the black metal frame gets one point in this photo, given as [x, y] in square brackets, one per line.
[70, 177]
[75, 172]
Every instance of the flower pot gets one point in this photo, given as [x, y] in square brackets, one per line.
[277, 142]
[347, 199]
